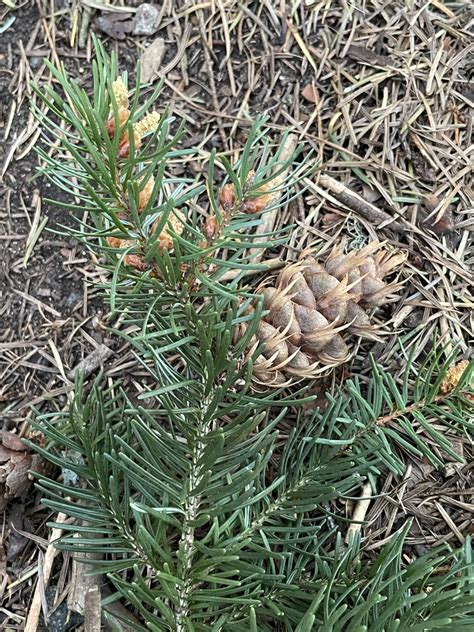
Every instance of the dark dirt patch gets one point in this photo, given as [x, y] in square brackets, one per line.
[44, 300]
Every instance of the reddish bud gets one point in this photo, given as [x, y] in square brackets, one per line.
[136, 261]
[123, 115]
[211, 226]
[115, 242]
[124, 150]
[257, 204]
[176, 221]
[110, 127]
[227, 196]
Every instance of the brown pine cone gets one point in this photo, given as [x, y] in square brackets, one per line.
[313, 308]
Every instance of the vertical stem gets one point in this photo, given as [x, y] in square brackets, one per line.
[187, 539]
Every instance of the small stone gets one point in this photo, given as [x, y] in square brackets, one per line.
[450, 469]
[58, 617]
[72, 299]
[36, 62]
[146, 20]
[70, 477]
[44, 292]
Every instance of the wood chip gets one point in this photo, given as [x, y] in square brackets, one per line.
[150, 60]
[365, 56]
[360, 512]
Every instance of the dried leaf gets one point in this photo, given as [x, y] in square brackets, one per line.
[12, 441]
[366, 56]
[443, 224]
[310, 93]
[151, 58]
[116, 25]
[15, 463]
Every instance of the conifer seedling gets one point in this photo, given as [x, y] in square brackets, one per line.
[205, 502]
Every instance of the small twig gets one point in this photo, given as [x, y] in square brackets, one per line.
[51, 552]
[357, 204]
[360, 512]
[386, 419]
[80, 584]
[82, 587]
[91, 362]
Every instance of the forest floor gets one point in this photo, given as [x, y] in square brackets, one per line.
[379, 92]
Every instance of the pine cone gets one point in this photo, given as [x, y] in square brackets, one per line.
[313, 308]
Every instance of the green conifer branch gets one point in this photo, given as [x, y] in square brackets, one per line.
[199, 510]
